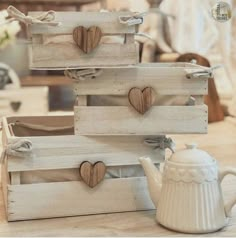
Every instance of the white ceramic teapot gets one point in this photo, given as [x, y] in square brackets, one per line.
[188, 195]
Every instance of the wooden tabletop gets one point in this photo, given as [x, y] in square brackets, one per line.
[220, 143]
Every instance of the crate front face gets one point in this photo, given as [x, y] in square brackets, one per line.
[55, 47]
[159, 119]
[38, 186]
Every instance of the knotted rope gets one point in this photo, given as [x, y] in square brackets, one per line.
[83, 74]
[133, 19]
[206, 73]
[161, 142]
[18, 147]
[46, 18]
[137, 17]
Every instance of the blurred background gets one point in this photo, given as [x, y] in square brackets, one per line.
[180, 31]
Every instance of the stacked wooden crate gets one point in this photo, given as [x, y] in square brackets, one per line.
[101, 159]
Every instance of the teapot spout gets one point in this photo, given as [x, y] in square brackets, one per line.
[154, 179]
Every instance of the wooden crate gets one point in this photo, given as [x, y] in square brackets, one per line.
[60, 151]
[164, 79]
[18, 101]
[53, 46]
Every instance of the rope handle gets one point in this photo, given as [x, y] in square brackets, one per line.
[201, 74]
[40, 127]
[160, 142]
[83, 74]
[137, 18]
[47, 18]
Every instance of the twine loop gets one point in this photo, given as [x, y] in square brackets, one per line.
[133, 19]
[161, 142]
[46, 18]
[83, 74]
[200, 74]
[19, 148]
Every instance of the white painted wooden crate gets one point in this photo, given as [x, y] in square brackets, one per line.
[165, 79]
[28, 195]
[24, 101]
[53, 46]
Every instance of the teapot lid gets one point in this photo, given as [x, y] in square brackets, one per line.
[191, 155]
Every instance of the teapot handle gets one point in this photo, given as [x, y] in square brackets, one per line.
[229, 205]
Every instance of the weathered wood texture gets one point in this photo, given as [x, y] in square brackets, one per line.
[55, 199]
[165, 79]
[141, 84]
[34, 201]
[61, 56]
[69, 151]
[122, 120]
[53, 47]
[19, 101]
[108, 22]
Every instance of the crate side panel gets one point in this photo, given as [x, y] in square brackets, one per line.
[36, 201]
[69, 55]
[122, 120]
[62, 152]
[165, 81]
[107, 21]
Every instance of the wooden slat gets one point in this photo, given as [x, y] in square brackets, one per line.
[107, 21]
[81, 101]
[6, 135]
[164, 80]
[46, 80]
[15, 178]
[199, 100]
[34, 201]
[60, 152]
[5, 181]
[68, 55]
[63, 2]
[122, 120]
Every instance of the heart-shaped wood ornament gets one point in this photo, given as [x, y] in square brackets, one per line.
[87, 38]
[142, 100]
[15, 106]
[92, 174]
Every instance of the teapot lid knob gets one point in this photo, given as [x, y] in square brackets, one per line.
[191, 146]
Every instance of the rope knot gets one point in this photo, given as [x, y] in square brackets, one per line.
[83, 74]
[201, 74]
[18, 147]
[46, 18]
[160, 142]
[133, 19]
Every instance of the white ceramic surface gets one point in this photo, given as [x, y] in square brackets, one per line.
[188, 195]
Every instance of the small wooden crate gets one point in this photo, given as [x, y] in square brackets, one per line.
[57, 152]
[54, 47]
[165, 79]
[18, 101]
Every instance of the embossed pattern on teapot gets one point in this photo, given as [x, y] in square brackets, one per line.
[188, 195]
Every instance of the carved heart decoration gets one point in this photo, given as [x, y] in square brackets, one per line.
[92, 174]
[142, 100]
[87, 39]
[15, 106]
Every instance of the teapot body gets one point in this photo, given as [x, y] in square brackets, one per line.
[191, 198]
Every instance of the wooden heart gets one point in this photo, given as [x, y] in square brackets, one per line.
[87, 39]
[142, 100]
[15, 106]
[92, 174]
